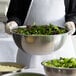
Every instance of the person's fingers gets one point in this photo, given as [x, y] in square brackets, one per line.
[70, 26]
[9, 26]
[12, 24]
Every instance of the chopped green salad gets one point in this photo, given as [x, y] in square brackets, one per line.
[40, 30]
[61, 63]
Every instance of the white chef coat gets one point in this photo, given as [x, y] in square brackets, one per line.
[45, 12]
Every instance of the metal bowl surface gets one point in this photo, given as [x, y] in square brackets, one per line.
[39, 44]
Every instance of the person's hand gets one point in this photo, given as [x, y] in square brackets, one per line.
[70, 26]
[9, 26]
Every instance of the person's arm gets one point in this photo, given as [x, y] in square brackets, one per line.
[70, 16]
[70, 11]
[18, 10]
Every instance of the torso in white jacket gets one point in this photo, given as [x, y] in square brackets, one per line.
[45, 12]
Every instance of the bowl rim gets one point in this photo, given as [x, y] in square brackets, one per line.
[36, 35]
[23, 73]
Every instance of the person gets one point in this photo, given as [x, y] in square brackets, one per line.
[26, 12]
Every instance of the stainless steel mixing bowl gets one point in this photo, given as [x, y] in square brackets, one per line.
[39, 44]
[50, 71]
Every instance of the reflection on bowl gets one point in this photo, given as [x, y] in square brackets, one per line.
[24, 74]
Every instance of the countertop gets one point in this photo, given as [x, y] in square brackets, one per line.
[8, 49]
[34, 70]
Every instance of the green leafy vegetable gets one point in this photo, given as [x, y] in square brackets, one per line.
[61, 63]
[40, 30]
